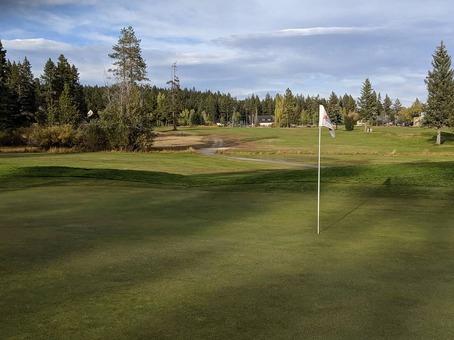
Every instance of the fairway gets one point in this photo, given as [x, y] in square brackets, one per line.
[187, 246]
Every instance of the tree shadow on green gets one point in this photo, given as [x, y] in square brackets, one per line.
[446, 138]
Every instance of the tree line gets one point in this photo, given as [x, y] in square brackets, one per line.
[55, 110]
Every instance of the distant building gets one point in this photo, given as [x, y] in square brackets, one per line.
[266, 121]
[419, 121]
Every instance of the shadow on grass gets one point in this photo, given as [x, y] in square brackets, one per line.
[367, 199]
[365, 176]
[446, 137]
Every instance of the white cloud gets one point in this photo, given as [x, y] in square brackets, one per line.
[238, 47]
[301, 32]
[53, 2]
[36, 44]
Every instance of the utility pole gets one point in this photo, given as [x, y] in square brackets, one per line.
[175, 86]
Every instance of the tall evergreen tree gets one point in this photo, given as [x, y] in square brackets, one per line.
[226, 108]
[23, 91]
[387, 104]
[62, 74]
[4, 93]
[379, 115]
[65, 73]
[68, 113]
[77, 91]
[49, 93]
[129, 65]
[334, 109]
[27, 97]
[14, 90]
[348, 103]
[396, 108]
[279, 110]
[162, 108]
[252, 106]
[290, 114]
[9, 104]
[126, 113]
[440, 88]
[367, 104]
[3, 64]
[211, 108]
[268, 105]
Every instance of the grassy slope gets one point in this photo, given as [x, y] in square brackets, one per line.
[100, 246]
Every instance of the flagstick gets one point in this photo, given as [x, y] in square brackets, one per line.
[318, 190]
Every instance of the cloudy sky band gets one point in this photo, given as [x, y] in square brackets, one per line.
[242, 47]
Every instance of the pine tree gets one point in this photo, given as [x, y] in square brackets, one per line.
[349, 104]
[289, 105]
[3, 64]
[211, 108]
[367, 104]
[378, 119]
[396, 108]
[126, 115]
[9, 104]
[68, 113]
[440, 88]
[77, 91]
[253, 109]
[23, 92]
[162, 108]
[279, 110]
[225, 108]
[387, 104]
[65, 73]
[62, 74]
[4, 93]
[268, 105]
[49, 93]
[129, 66]
[27, 98]
[334, 109]
[14, 90]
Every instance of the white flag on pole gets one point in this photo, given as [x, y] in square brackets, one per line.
[325, 121]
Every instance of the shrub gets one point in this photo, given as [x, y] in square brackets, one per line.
[93, 136]
[144, 142]
[12, 137]
[55, 136]
[350, 121]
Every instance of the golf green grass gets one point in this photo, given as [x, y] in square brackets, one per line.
[184, 246]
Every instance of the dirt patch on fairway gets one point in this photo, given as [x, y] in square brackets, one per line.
[176, 140]
[180, 140]
[210, 146]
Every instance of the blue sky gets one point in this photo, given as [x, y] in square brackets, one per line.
[239, 46]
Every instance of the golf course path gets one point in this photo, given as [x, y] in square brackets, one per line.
[218, 144]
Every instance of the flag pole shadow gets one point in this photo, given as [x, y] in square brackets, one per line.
[387, 182]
